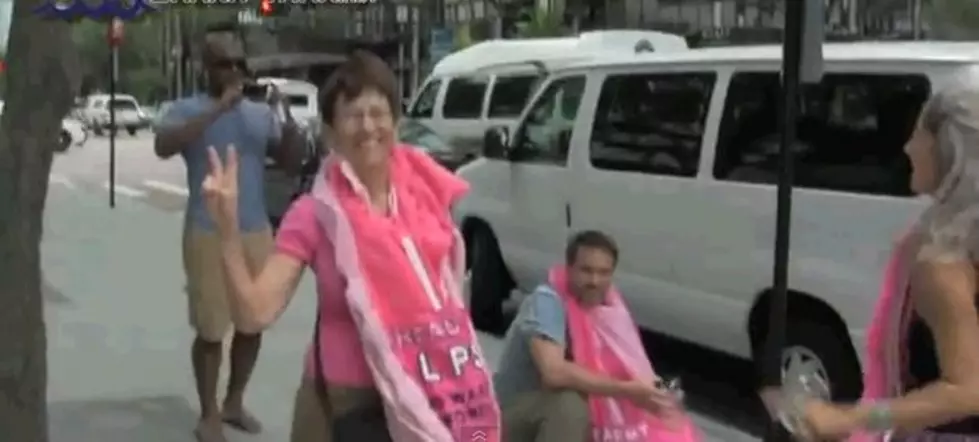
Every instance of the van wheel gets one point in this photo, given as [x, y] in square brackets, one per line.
[822, 351]
[490, 282]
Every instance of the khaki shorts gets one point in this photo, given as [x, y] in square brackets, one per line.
[207, 293]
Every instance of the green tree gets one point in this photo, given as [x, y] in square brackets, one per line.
[543, 23]
[955, 19]
[41, 83]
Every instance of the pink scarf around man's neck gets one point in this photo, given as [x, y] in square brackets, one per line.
[604, 339]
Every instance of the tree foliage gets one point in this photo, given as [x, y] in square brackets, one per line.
[145, 52]
[543, 23]
[956, 19]
[41, 83]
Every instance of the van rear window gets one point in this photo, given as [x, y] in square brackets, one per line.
[851, 131]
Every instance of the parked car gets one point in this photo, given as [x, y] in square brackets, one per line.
[128, 114]
[299, 95]
[675, 155]
[281, 190]
[73, 132]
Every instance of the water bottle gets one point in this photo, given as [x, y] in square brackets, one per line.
[795, 394]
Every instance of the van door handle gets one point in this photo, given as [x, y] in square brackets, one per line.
[567, 214]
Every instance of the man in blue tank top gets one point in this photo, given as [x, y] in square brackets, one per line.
[221, 118]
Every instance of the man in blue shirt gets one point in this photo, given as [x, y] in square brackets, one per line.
[223, 118]
[541, 390]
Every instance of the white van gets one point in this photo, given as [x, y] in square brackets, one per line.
[488, 84]
[299, 95]
[675, 155]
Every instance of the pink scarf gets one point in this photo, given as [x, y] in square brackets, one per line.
[882, 373]
[604, 339]
[403, 278]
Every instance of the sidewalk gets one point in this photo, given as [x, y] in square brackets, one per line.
[118, 338]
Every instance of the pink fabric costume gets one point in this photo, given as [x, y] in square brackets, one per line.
[882, 369]
[604, 339]
[403, 277]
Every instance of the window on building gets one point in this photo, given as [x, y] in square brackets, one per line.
[424, 106]
[851, 131]
[510, 95]
[464, 98]
[651, 123]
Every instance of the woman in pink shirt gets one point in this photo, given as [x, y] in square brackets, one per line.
[394, 354]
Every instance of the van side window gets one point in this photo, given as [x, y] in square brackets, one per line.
[851, 131]
[464, 98]
[651, 123]
[510, 95]
[425, 104]
[545, 135]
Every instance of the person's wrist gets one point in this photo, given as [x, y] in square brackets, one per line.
[630, 389]
[228, 229]
[875, 416]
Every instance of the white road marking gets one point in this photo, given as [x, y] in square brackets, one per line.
[125, 190]
[61, 180]
[166, 187]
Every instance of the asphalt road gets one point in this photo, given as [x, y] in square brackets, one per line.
[140, 175]
[116, 315]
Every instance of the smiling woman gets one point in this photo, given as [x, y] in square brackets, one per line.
[376, 223]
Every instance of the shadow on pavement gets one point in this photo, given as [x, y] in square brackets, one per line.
[146, 419]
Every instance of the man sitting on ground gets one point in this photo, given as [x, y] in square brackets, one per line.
[573, 368]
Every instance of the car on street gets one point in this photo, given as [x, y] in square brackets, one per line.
[299, 95]
[73, 132]
[676, 156]
[128, 114]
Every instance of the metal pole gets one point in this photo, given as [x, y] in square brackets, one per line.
[778, 311]
[114, 75]
[178, 29]
[416, 64]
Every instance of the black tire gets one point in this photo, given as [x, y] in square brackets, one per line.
[131, 130]
[64, 141]
[833, 349]
[490, 282]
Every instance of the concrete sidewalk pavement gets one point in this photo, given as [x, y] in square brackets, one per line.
[118, 337]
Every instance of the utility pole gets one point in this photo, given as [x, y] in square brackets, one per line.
[178, 52]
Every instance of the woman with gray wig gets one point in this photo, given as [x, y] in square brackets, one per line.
[921, 380]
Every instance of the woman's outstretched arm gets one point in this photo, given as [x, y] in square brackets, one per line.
[258, 300]
[944, 295]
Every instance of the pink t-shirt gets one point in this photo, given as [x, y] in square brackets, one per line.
[301, 237]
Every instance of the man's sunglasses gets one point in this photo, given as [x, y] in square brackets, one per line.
[229, 63]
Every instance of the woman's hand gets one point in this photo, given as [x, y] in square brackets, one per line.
[221, 189]
[823, 421]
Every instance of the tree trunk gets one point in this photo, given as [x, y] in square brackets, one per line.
[39, 91]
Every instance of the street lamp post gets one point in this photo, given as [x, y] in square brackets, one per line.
[114, 37]
[801, 63]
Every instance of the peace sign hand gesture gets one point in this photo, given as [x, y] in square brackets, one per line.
[221, 189]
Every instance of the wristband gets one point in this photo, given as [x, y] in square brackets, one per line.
[880, 418]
